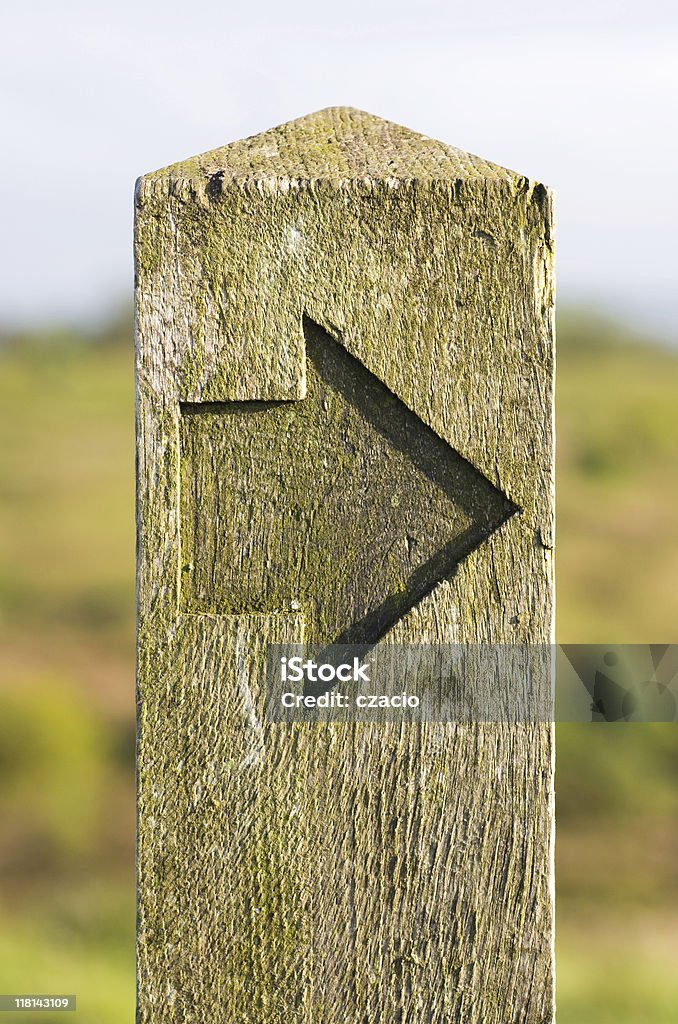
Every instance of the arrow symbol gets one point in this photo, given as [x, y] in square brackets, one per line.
[344, 505]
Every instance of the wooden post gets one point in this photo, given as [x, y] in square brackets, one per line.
[340, 301]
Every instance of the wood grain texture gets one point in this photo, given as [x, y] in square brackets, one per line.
[343, 873]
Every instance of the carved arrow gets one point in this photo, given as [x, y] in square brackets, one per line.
[353, 510]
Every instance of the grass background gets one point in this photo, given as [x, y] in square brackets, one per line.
[67, 672]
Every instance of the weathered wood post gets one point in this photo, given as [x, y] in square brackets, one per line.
[345, 368]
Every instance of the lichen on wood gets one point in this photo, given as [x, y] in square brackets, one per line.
[345, 872]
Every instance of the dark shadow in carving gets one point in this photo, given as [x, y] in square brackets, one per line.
[465, 506]
[461, 481]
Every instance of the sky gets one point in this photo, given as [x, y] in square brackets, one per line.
[582, 96]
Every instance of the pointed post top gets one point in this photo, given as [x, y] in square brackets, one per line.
[335, 144]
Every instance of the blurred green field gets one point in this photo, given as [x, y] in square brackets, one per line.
[67, 672]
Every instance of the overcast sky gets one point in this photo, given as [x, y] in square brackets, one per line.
[583, 98]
